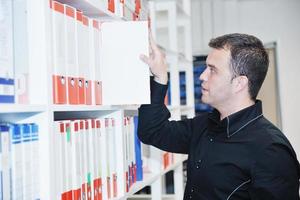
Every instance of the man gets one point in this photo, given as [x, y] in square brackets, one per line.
[233, 152]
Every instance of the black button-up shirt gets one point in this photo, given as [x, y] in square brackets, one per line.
[244, 156]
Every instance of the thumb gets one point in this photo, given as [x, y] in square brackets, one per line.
[145, 59]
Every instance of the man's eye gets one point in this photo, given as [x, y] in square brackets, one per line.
[212, 70]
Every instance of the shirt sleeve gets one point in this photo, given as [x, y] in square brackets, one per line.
[154, 127]
[275, 174]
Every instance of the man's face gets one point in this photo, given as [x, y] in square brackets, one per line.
[217, 88]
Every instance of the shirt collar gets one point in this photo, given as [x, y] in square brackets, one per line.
[235, 122]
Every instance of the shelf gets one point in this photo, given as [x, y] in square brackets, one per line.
[21, 108]
[71, 108]
[148, 196]
[66, 108]
[162, 7]
[187, 110]
[183, 63]
[150, 178]
[92, 8]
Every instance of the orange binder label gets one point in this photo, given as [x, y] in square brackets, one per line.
[79, 15]
[59, 89]
[127, 181]
[98, 93]
[111, 5]
[58, 7]
[70, 12]
[166, 160]
[99, 189]
[115, 185]
[73, 90]
[83, 193]
[77, 194]
[134, 173]
[88, 92]
[96, 24]
[96, 189]
[89, 191]
[85, 20]
[81, 91]
[67, 195]
[108, 188]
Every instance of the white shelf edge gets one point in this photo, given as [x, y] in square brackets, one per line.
[67, 108]
[172, 108]
[185, 108]
[21, 108]
[148, 196]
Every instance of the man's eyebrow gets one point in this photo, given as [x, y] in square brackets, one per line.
[211, 66]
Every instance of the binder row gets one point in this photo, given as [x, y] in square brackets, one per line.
[132, 153]
[85, 70]
[19, 161]
[86, 165]
[76, 52]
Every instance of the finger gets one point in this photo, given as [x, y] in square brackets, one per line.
[152, 43]
[145, 59]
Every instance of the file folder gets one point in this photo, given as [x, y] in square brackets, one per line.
[59, 130]
[86, 60]
[7, 83]
[99, 139]
[109, 155]
[59, 81]
[66, 177]
[120, 55]
[21, 49]
[83, 155]
[138, 152]
[95, 49]
[35, 160]
[28, 172]
[114, 162]
[91, 157]
[5, 160]
[75, 165]
[87, 174]
[71, 55]
[81, 40]
[104, 159]
[16, 161]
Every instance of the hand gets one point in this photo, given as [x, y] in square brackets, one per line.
[157, 62]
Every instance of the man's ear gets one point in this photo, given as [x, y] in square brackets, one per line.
[240, 83]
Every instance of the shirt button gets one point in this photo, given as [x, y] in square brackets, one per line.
[192, 190]
[197, 166]
[211, 139]
[199, 161]
[190, 197]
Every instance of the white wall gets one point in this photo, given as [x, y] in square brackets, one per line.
[271, 21]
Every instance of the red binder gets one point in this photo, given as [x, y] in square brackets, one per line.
[59, 72]
[87, 65]
[80, 49]
[72, 81]
[97, 83]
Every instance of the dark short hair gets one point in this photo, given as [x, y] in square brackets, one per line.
[248, 58]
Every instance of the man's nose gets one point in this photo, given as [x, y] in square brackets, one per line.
[203, 76]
